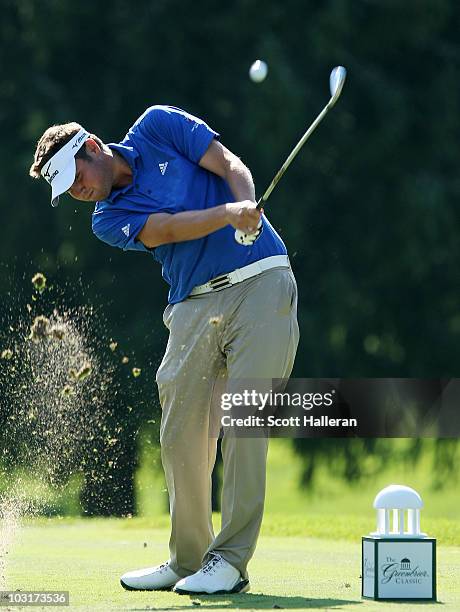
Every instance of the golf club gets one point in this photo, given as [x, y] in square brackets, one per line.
[336, 82]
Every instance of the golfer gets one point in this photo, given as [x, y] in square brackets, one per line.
[173, 191]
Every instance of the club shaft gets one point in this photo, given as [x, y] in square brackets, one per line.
[293, 153]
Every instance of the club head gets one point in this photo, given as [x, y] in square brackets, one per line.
[336, 81]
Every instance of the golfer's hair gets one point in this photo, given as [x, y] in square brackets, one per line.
[54, 139]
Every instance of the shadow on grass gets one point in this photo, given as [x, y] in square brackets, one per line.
[253, 601]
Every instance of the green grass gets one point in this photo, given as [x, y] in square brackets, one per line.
[331, 495]
[343, 527]
[86, 557]
[308, 555]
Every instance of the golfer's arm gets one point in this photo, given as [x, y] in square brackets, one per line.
[162, 228]
[227, 165]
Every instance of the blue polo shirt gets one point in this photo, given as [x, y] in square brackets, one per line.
[163, 149]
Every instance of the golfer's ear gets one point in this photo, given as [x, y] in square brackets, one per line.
[92, 146]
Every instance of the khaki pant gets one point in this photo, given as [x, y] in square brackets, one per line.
[247, 331]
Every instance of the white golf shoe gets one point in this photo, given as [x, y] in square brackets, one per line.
[217, 576]
[159, 578]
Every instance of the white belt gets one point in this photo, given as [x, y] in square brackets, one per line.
[241, 274]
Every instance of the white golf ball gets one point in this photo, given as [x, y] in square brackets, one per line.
[258, 71]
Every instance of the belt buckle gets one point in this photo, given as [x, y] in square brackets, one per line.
[235, 276]
[220, 282]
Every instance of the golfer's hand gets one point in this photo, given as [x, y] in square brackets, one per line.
[244, 216]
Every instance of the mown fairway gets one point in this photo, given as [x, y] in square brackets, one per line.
[290, 569]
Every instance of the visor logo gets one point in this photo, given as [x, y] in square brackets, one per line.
[77, 142]
[50, 177]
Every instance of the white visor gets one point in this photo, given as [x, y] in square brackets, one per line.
[60, 170]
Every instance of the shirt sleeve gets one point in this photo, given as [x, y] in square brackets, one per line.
[120, 228]
[189, 135]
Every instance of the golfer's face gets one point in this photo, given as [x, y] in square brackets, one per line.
[92, 182]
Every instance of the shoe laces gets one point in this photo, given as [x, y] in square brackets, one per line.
[212, 564]
[163, 567]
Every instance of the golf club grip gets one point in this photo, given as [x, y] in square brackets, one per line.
[260, 203]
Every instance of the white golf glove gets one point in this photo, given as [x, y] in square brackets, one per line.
[249, 239]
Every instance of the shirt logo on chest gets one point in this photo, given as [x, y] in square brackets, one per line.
[163, 167]
[125, 229]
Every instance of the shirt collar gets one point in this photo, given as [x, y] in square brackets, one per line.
[130, 155]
